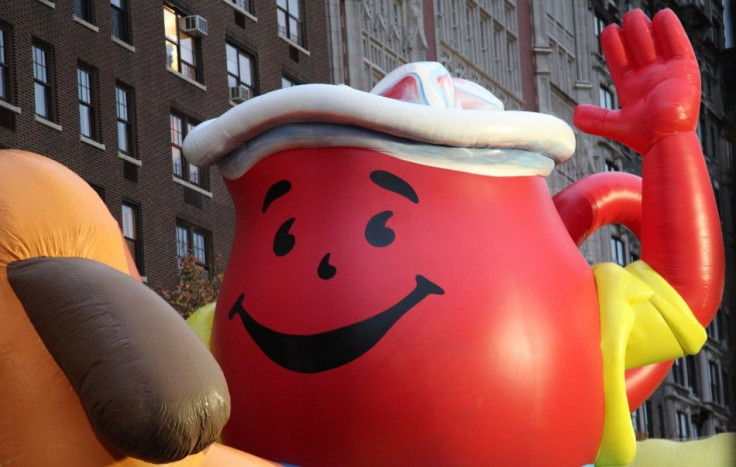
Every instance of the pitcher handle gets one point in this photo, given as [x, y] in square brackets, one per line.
[591, 203]
[598, 200]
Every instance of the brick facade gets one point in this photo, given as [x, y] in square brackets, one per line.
[146, 180]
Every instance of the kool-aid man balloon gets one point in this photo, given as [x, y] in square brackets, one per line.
[402, 288]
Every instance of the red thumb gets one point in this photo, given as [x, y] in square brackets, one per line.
[598, 121]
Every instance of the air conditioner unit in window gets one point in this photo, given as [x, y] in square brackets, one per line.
[240, 94]
[194, 25]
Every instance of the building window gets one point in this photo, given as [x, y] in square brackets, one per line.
[42, 80]
[617, 251]
[695, 425]
[606, 99]
[725, 334]
[83, 10]
[641, 419]
[180, 127]
[678, 372]
[289, 17]
[120, 22]
[725, 381]
[611, 166]
[239, 73]
[714, 375]
[130, 221]
[7, 113]
[181, 48]
[717, 196]
[633, 256]
[4, 65]
[683, 425]
[245, 5]
[194, 241]
[288, 82]
[692, 374]
[713, 329]
[599, 24]
[123, 106]
[86, 97]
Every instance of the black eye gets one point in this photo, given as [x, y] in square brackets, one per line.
[376, 231]
[284, 241]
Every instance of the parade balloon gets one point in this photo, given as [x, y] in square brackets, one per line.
[402, 288]
[96, 368]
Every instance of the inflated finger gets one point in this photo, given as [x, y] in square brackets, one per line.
[670, 36]
[612, 43]
[638, 39]
[597, 121]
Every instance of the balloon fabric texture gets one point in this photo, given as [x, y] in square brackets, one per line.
[402, 288]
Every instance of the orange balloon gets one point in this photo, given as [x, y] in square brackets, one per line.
[53, 226]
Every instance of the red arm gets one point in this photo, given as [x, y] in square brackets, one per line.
[600, 199]
[658, 83]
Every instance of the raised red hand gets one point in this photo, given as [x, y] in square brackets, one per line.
[657, 81]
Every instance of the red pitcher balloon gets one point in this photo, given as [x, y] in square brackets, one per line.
[403, 289]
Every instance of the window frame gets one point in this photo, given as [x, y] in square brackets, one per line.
[8, 111]
[618, 254]
[725, 380]
[120, 20]
[714, 380]
[135, 214]
[85, 10]
[641, 419]
[242, 5]
[694, 426]
[240, 54]
[43, 84]
[606, 98]
[692, 374]
[191, 232]
[87, 100]
[683, 424]
[633, 255]
[284, 9]
[174, 55]
[6, 88]
[713, 329]
[599, 24]
[289, 81]
[126, 121]
[678, 372]
[177, 138]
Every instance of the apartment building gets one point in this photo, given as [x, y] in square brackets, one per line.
[111, 88]
[546, 57]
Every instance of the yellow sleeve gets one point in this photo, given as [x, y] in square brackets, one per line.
[201, 321]
[643, 320]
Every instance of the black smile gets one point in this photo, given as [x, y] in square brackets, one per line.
[327, 350]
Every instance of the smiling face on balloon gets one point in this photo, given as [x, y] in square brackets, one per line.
[332, 348]
[315, 247]
[364, 302]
